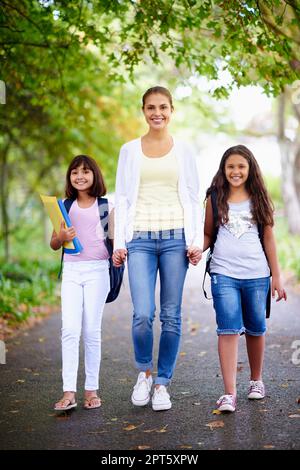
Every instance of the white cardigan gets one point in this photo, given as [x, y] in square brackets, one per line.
[127, 186]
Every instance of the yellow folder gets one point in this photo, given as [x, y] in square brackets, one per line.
[54, 212]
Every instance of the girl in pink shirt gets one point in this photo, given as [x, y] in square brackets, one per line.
[85, 282]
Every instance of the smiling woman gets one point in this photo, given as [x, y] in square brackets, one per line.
[157, 108]
[158, 228]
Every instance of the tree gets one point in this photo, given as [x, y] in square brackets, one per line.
[284, 20]
[58, 57]
[58, 105]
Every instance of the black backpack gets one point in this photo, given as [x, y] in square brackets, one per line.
[115, 274]
[260, 228]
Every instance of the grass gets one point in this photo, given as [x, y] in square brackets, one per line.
[28, 282]
[274, 189]
[288, 248]
[25, 286]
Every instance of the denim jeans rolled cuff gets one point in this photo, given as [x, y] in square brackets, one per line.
[142, 367]
[255, 333]
[162, 381]
[231, 331]
[240, 304]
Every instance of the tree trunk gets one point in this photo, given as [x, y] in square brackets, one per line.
[4, 199]
[297, 171]
[288, 153]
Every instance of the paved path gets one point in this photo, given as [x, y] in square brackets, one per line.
[30, 383]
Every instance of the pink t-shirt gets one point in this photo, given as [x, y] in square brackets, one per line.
[90, 233]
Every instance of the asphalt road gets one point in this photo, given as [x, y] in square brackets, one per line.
[30, 383]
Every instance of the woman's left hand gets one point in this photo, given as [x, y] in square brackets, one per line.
[194, 254]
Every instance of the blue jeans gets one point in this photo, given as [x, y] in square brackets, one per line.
[240, 304]
[148, 253]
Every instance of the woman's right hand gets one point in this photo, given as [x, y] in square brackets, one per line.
[118, 257]
[66, 234]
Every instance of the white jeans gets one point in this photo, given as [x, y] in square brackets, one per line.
[85, 285]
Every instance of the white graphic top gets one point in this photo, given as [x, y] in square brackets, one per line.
[239, 222]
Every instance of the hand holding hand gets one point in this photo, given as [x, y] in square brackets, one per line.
[194, 253]
[119, 256]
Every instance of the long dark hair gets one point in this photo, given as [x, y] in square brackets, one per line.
[262, 206]
[98, 188]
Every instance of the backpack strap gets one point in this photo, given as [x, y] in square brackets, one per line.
[67, 203]
[213, 198]
[260, 229]
[208, 259]
[104, 214]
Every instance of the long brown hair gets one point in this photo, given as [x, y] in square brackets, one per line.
[262, 206]
[98, 187]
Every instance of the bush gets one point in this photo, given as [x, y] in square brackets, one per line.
[288, 247]
[274, 188]
[25, 285]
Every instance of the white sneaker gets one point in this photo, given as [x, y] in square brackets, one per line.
[227, 403]
[141, 391]
[256, 390]
[161, 399]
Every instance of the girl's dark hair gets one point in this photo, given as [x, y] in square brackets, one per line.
[262, 206]
[158, 89]
[98, 188]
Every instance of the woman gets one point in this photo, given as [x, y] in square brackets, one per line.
[158, 227]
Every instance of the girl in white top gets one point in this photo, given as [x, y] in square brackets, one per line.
[239, 209]
[158, 227]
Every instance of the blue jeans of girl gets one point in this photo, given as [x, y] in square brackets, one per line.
[148, 254]
[240, 304]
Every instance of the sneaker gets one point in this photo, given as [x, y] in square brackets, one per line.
[141, 391]
[256, 390]
[227, 403]
[161, 399]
